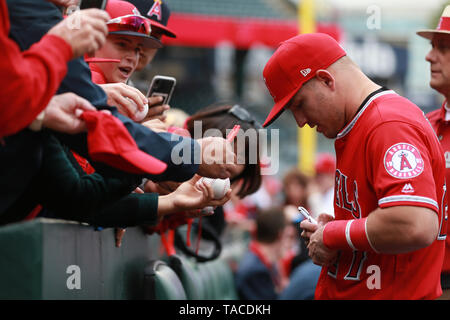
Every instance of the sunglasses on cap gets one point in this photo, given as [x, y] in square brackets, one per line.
[133, 23]
[243, 115]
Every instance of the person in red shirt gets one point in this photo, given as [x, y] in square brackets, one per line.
[387, 238]
[439, 59]
[30, 78]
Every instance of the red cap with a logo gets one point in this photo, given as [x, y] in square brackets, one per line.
[127, 20]
[110, 142]
[295, 62]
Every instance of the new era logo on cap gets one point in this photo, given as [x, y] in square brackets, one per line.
[305, 72]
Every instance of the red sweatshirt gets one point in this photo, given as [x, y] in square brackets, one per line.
[28, 79]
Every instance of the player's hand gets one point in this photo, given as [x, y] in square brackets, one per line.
[309, 228]
[84, 30]
[156, 109]
[318, 252]
[126, 98]
[218, 158]
[63, 111]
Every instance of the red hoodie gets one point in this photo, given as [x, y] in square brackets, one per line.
[30, 78]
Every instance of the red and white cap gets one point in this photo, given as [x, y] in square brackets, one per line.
[127, 20]
[110, 142]
[294, 63]
[443, 26]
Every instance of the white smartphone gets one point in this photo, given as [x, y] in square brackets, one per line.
[306, 214]
[162, 86]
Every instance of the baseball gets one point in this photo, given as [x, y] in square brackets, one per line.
[219, 186]
[138, 115]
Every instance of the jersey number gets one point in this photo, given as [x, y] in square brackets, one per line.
[354, 271]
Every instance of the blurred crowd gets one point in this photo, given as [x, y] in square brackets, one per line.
[79, 142]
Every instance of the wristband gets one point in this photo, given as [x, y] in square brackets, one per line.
[347, 235]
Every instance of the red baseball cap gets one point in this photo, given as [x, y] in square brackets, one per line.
[127, 20]
[295, 62]
[158, 12]
[110, 142]
[325, 163]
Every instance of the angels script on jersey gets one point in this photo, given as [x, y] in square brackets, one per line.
[347, 194]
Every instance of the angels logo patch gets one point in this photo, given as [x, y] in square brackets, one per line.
[403, 161]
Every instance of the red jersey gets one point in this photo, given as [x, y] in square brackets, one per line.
[30, 78]
[388, 155]
[442, 129]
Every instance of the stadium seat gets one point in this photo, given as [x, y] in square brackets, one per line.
[189, 276]
[162, 283]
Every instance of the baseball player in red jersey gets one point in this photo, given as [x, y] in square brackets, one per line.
[387, 238]
[439, 59]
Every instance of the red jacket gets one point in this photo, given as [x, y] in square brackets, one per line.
[30, 78]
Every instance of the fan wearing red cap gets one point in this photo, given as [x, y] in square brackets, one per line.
[439, 59]
[322, 200]
[158, 12]
[114, 63]
[129, 32]
[389, 178]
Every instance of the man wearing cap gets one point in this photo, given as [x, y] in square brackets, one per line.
[158, 12]
[439, 59]
[386, 239]
[113, 64]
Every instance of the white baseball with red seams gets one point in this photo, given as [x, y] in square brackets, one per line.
[219, 186]
[138, 115]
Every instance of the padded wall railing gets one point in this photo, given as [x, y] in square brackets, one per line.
[53, 259]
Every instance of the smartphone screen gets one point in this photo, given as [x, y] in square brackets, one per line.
[99, 4]
[162, 86]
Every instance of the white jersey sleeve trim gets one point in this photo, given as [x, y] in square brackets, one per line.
[403, 198]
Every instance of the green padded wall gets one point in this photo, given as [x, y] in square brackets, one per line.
[36, 255]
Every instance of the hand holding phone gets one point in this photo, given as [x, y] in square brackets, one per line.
[306, 214]
[162, 86]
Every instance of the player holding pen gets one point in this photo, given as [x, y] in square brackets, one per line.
[387, 239]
